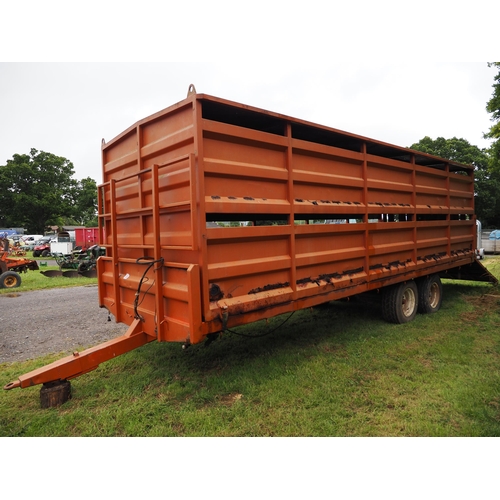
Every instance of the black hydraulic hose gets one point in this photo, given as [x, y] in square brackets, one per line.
[261, 334]
[150, 262]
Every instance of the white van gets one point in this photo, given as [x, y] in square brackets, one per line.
[29, 240]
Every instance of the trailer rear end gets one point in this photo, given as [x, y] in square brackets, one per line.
[215, 214]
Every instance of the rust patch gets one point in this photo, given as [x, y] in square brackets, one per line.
[435, 256]
[215, 293]
[389, 265]
[327, 278]
[266, 288]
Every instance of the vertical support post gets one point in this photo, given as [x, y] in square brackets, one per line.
[194, 304]
[114, 257]
[414, 208]
[101, 220]
[198, 209]
[194, 215]
[474, 225]
[366, 214]
[157, 249]
[448, 215]
[140, 182]
[291, 212]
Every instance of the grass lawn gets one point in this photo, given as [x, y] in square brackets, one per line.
[335, 370]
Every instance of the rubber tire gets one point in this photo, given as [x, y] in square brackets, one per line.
[36, 253]
[430, 294]
[45, 253]
[400, 303]
[83, 267]
[10, 279]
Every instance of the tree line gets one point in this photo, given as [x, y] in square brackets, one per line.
[38, 189]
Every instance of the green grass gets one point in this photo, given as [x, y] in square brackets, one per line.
[35, 280]
[337, 370]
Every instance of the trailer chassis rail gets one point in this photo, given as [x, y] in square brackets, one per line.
[83, 362]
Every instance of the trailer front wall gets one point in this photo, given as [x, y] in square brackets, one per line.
[237, 214]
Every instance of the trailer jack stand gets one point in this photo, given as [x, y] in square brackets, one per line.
[56, 389]
[55, 393]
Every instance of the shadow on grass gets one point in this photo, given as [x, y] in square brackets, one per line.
[334, 328]
[309, 333]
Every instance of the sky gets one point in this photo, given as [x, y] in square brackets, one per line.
[67, 108]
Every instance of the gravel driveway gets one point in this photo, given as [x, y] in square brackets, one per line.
[59, 320]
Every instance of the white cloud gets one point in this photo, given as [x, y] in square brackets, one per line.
[67, 108]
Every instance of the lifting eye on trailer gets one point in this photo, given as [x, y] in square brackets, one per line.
[215, 214]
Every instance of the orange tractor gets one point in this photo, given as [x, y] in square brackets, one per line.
[10, 269]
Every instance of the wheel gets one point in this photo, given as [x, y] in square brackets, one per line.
[400, 303]
[83, 267]
[36, 253]
[45, 253]
[430, 294]
[10, 279]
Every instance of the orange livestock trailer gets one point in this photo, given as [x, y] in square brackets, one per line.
[215, 214]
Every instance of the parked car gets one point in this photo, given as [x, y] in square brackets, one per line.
[29, 241]
[42, 247]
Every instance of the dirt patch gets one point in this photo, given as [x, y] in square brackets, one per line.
[482, 304]
[230, 399]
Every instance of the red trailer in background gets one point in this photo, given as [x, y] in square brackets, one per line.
[86, 237]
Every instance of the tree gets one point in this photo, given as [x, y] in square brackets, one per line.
[85, 210]
[459, 150]
[37, 191]
[487, 181]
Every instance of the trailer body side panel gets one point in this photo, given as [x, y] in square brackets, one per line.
[215, 214]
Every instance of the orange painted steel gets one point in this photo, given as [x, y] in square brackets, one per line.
[17, 264]
[395, 214]
[318, 215]
[83, 362]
